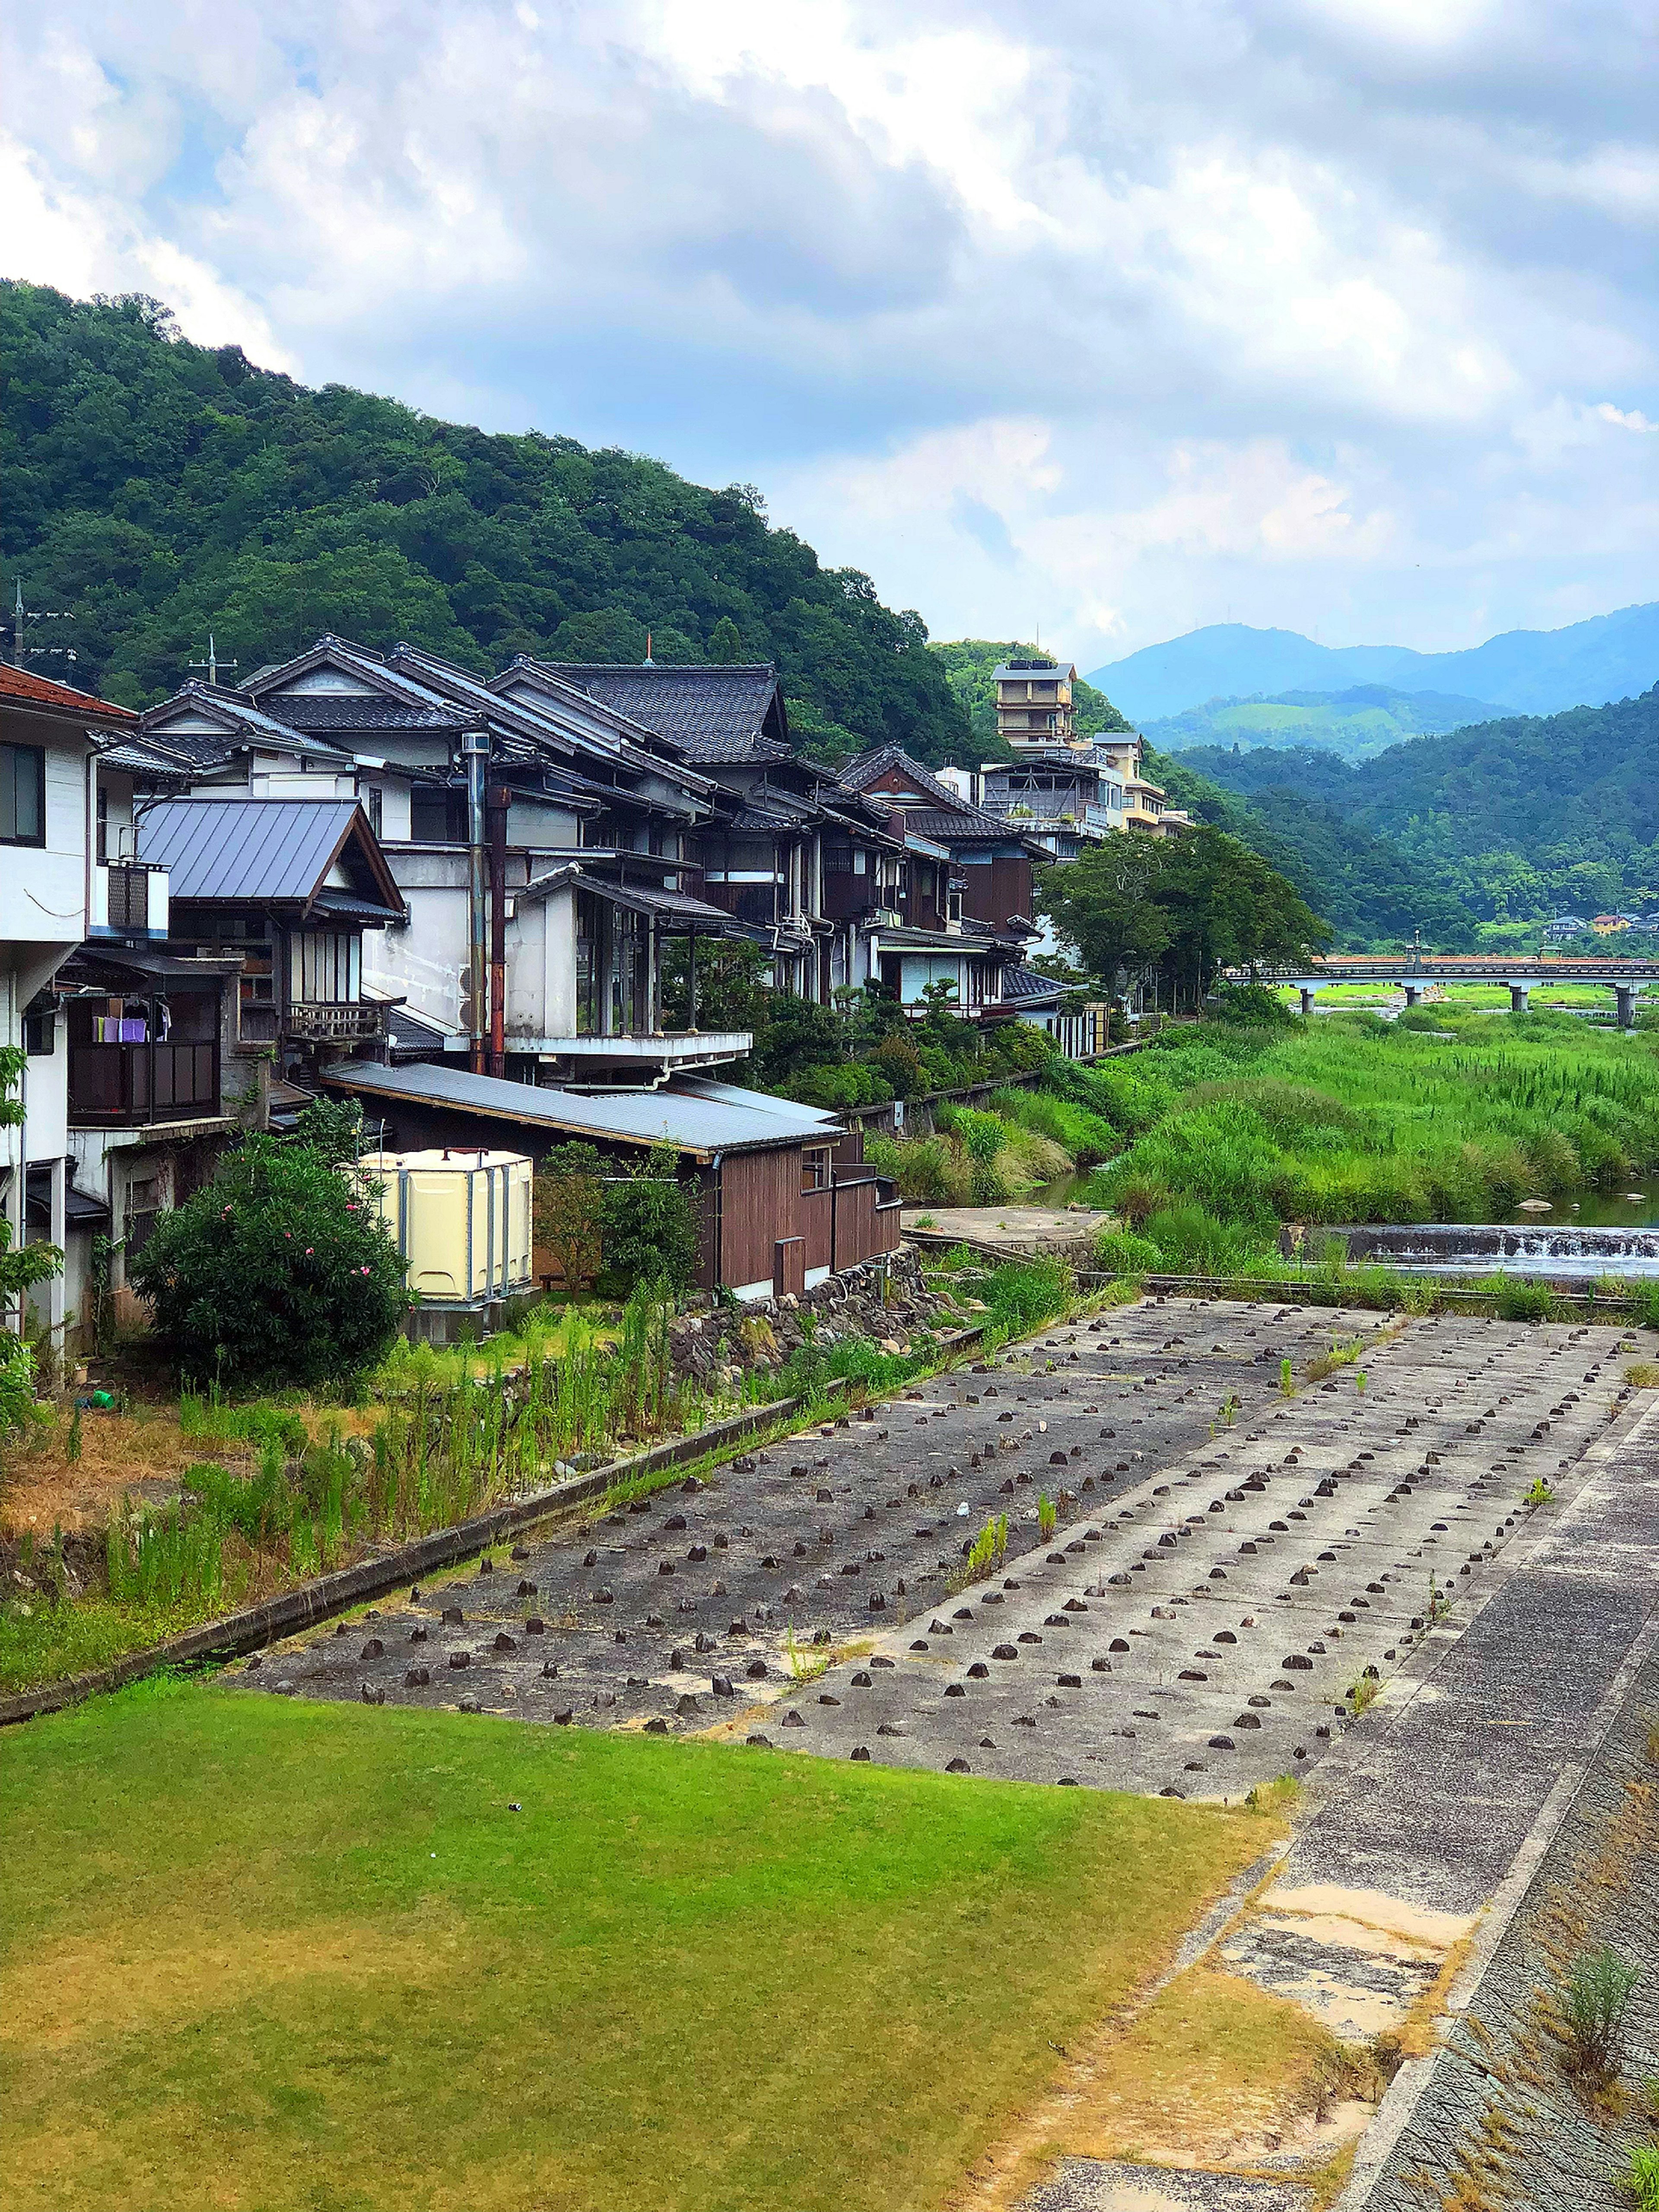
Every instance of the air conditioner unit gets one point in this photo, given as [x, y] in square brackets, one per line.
[886, 917]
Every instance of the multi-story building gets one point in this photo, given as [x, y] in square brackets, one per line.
[1034, 702]
[61, 889]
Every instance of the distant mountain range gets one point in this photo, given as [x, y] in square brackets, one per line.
[1531, 672]
[1355, 724]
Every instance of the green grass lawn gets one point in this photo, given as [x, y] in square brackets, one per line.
[304, 1957]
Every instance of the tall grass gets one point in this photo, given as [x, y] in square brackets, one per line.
[1357, 1122]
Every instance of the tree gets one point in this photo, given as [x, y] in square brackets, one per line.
[1183, 906]
[280, 1271]
[649, 1226]
[569, 1203]
[725, 643]
[1104, 903]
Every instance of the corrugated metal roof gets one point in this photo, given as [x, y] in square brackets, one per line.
[245, 848]
[687, 1118]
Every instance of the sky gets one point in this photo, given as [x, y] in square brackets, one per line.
[1102, 320]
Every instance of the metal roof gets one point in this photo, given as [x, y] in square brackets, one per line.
[683, 1116]
[245, 848]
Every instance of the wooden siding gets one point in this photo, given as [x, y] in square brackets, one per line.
[760, 1201]
[997, 889]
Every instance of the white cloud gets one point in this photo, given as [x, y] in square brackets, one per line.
[1329, 312]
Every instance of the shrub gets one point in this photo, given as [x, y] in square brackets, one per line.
[1598, 1991]
[277, 1271]
[1642, 2178]
[648, 1227]
[1253, 1005]
[568, 1198]
[1192, 1240]
[1520, 1300]
[898, 1063]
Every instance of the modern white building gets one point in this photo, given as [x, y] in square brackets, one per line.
[60, 885]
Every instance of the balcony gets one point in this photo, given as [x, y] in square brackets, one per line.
[134, 1086]
[319, 1022]
[129, 901]
[636, 1062]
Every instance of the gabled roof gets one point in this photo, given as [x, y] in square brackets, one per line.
[320, 711]
[718, 714]
[241, 726]
[673, 910]
[20, 687]
[698, 1119]
[1025, 987]
[950, 820]
[268, 852]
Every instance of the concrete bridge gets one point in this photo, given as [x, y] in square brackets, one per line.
[1413, 971]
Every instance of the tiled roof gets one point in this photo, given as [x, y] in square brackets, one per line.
[319, 711]
[40, 690]
[247, 724]
[717, 714]
[1026, 984]
[951, 818]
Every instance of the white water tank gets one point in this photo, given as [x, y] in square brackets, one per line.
[461, 1219]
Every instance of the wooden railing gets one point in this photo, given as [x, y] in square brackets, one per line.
[128, 1086]
[326, 1023]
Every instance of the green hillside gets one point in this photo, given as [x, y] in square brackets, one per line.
[1373, 892]
[1515, 818]
[156, 488]
[1354, 724]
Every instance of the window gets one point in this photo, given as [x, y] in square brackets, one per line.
[375, 808]
[40, 1036]
[814, 1168]
[22, 795]
[437, 817]
[324, 966]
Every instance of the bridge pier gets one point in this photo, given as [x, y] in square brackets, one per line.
[1519, 995]
[1624, 997]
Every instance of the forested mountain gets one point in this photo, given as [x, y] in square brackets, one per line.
[155, 490]
[1515, 818]
[1531, 672]
[1369, 889]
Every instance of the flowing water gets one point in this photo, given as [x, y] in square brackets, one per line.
[1564, 1251]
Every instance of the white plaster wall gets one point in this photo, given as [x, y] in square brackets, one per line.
[45, 1097]
[541, 966]
[425, 963]
[43, 889]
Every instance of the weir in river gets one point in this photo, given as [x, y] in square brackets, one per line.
[1556, 1250]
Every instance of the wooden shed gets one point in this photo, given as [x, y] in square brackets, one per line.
[785, 1196]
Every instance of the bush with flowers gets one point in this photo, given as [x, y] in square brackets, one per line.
[278, 1272]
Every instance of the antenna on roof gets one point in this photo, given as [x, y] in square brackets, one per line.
[648, 662]
[211, 664]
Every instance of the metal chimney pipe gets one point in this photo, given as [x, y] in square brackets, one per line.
[475, 758]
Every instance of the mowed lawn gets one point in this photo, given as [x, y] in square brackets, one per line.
[265, 1953]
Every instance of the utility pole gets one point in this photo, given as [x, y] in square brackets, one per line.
[212, 664]
[20, 614]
